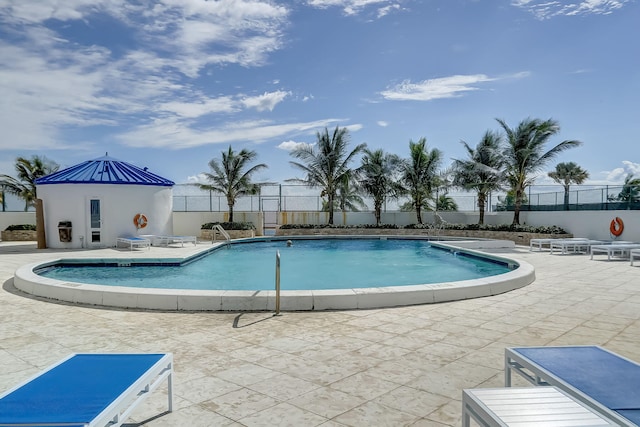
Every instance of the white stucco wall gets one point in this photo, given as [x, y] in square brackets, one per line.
[189, 223]
[591, 224]
[119, 204]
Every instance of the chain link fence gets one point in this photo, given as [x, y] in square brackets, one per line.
[290, 197]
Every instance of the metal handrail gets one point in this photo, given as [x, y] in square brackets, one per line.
[218, 227]
[277, 283]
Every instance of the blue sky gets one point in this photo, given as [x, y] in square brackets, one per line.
[170, 84]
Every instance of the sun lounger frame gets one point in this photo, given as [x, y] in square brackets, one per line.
[633, 253]
[134, 242]
[121, 406]
[614, 249]
[573, 246]
[180, 239]
[539, 243]
[534, 406]
[539, 376]
[163, 240]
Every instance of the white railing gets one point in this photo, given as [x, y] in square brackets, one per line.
[218, 228]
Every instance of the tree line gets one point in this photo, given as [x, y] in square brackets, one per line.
[505, 159]
[502, 160]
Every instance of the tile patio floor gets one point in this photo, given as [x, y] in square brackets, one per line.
[388, 367]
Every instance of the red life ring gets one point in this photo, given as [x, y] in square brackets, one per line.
[140, 221]
[616, 227]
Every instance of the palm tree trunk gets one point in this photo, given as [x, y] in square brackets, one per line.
[378, 209]
[230, 212]
[419, 213]
[330, 199]
[481, 202]
[566, 197]
[40, 232]
[516, 207]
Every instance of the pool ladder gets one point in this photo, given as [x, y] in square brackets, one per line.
[218, 228]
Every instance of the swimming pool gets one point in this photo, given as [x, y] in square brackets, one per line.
[374, 295]
[307, 264]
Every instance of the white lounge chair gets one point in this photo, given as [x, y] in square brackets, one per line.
[614, 249]
[167, 240]
[634, 253]
[594, 376]
[134, 242]
[573, 246]
[87, 390]
[527, 406]
[181, 239]
[539, 243]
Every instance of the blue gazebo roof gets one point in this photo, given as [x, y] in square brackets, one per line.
[105, 170]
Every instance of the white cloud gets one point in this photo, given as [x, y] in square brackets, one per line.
[292, 145]
[266, 101]
[55, 83]
[548, 9]
[427, 90]
[174, 133]
[444, 87]
[619, 174]
[382, 123]
[355, 7]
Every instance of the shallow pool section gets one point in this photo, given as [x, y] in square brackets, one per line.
[377, 292]
[306, 265]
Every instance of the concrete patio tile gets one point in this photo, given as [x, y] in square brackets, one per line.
[327, 402]
[246, 374]
[283, 387]
[283, 415]
[382, 351]
[192, 416]
[413, 401]
[364, 386]
[399, 366]
[372, 413]
[204, 389]
[239, 403]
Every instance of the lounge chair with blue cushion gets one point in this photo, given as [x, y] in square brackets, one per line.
[134, 242]
[599, 378]
[87, 390]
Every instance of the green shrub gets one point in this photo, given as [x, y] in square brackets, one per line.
[545, 229]
[29, 227]
[230, 225]
[320, 226]
[553, 229]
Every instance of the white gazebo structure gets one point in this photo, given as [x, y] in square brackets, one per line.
[97, 201]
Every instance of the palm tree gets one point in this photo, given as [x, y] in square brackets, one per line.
[482, 170]
[377, 178]
[326, 163]
[567, 174]
[28, 170]
[446, 203]
[524, 154]
[630, 190]
[232, 176]
[347, 197]
[419, 175]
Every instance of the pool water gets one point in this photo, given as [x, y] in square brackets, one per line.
[307, 264]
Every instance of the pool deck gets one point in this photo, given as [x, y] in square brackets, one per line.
[395, 366]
